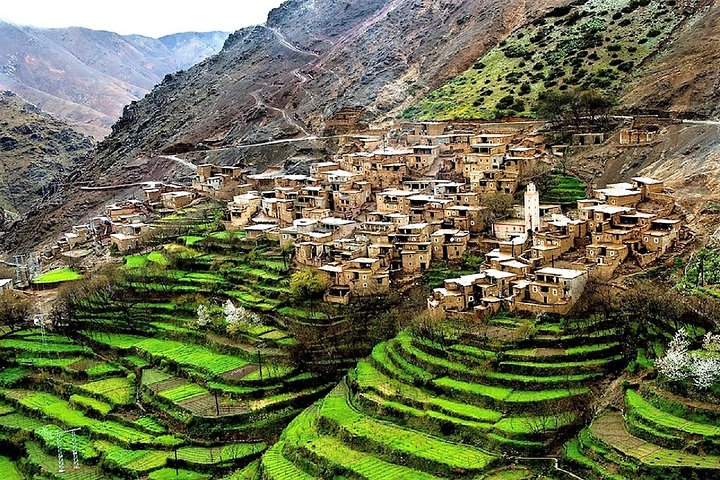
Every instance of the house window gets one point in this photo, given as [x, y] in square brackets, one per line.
[365, 285]
[554, 291]
[284, 236]
[471, 298]
[657, 240]
[612, 254]
[535, 289]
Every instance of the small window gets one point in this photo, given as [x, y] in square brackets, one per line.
[471, 298]
[657, 240]
[364, 285]
[554, 291]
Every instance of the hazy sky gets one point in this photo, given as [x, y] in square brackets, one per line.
[153, 18]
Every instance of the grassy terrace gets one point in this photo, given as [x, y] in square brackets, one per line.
[565, 190]
[141, 378]
[662, 435]
[57, 276]
[420, 408]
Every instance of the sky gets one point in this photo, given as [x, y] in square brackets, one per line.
[152, 18]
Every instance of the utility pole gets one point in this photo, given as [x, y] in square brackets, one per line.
[61, 460]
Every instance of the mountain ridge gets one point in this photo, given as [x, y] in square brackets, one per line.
[86, 77]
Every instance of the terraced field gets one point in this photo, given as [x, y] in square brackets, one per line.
[661, 435]
[448, 409]
[143, 367]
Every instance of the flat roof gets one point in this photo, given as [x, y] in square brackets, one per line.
[514, 264]
[647, 180]
[391, 151]
[414, 226]
[336, 221]
[561, 272]
[618, 192]
[260, 227]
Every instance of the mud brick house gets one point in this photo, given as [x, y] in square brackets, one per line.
[358, 276]
[243, 208]
[449, 244]
[219, 182]
[470, 292]
[177, 200]
[552, 290]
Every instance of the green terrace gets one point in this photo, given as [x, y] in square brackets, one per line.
[661, 435]
[448, 407]
[57, 276]
[115, 438]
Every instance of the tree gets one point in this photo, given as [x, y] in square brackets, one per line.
[308, 284]
[576, 107]
[14, 310]
[499, 205]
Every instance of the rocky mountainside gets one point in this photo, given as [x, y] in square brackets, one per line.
[86, 77]
[603, 44]
[286, 78]
[685, 77]
[37, 155]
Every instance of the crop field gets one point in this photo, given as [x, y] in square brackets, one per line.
[564, 190]
[450, 408]
[150, 391]
[57, 276]
[661, 435]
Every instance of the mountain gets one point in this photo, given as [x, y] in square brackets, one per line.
[600, 44]
[286, 78]
[86, 77]
[37, 155]
[685, 77]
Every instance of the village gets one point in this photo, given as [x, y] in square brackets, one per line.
[380, 214]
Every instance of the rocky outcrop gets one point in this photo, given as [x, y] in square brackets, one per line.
[685, 78]
[37, 155]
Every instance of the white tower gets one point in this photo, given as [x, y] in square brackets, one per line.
[532, 208]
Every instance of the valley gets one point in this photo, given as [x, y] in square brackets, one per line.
[390, 239]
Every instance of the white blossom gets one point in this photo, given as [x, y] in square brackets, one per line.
[232, 313]
[705, 372]
[203, 316]
[235, 315]
[701, 368]
[676, 363]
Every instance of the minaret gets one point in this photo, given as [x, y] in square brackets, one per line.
[532, 209]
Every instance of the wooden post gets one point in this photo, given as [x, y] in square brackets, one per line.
[259, 363]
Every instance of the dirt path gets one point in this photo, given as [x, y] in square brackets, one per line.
[285, 43]
[286, 116]
[181, 161]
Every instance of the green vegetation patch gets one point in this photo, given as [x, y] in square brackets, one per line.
[594, 44]
[8, 470]
[57, 276]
